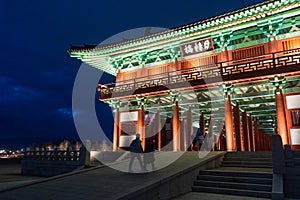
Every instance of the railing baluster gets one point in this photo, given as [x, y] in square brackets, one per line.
[134, 87]
[221, 69]
[273, 58]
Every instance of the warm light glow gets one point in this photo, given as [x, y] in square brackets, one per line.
[128, 116]
[293, 101]
[295, 136]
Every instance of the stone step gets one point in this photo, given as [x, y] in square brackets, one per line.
[244, 186]
[246, 162]
[234, 191]
[247, 155]
[251, 152]
[248, 159]
[243, 180]
[248, 166]
[237, 179]
[236, 174]
[230, 155]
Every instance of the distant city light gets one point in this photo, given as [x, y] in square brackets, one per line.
[6, 154]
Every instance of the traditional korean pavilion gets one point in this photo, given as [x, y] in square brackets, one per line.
[235, 76]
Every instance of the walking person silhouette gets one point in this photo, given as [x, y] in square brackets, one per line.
[135, 152]
[149, 154]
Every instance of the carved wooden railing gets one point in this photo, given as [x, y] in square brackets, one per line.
[222, 69]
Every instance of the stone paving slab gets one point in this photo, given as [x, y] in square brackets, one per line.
[10, 171]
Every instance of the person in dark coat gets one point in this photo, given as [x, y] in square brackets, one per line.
[135, 150]
[149, 154]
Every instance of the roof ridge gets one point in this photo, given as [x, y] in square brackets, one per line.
[145, 37]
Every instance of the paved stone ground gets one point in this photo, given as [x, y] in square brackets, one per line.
[10, 174]
[10, 171]
[98, 183]
[105, 183]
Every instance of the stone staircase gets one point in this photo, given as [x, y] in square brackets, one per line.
[260, 159]
[241, 173]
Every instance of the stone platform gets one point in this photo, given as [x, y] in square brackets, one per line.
[102, 182]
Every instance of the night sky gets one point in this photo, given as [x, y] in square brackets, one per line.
[37, 74]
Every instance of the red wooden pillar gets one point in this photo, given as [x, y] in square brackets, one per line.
[268, 147]
[265, 142]
[237, 126]
[249, 119]
[116, 135]
[188, 127]
[270, 142]
[253, 138]
[158, 129]
[141, 125]
[256, 136]
[262, 140]
[245, 131]
[176, 127]
[229, 125]
[184, 129]
[280, 113]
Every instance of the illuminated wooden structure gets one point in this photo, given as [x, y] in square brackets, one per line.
[253, 54]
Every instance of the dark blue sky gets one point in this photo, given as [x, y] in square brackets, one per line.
[37, 74]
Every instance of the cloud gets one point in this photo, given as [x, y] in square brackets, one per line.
[12, 92]
[25, 93]
[67, 112]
